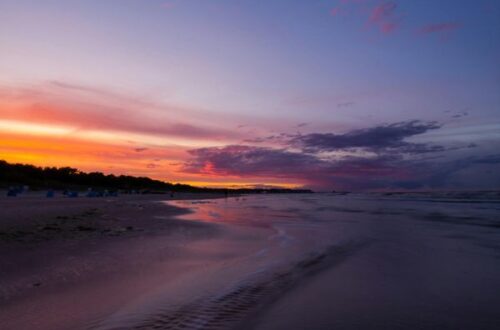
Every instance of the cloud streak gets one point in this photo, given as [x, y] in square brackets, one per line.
[376, 138]
[384, 17]
[443, 30]
[84, 108]
[440, 27]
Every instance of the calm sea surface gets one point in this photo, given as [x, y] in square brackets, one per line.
[327, 261]
[370, 261]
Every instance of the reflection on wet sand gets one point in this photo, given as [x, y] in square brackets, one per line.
[318, 261]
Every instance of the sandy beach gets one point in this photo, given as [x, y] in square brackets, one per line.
[66, 261]
[249, 262]
[250, 165]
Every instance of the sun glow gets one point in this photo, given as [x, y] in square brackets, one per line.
[241, 184]
[13, 126]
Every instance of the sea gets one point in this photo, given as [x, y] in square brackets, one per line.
[427, 260]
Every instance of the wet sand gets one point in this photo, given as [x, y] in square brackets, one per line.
[251, 262]
[365, 262]
[67, 262]
[136, 262]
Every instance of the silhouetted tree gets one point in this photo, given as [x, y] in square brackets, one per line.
[68, 177]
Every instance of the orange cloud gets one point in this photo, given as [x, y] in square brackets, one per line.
[59, 124]
[88, 155]
[84, 108]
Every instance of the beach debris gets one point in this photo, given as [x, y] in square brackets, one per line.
[51, 227]
[86, 228]
[90, 212]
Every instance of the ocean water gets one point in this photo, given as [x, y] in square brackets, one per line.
[331, 261]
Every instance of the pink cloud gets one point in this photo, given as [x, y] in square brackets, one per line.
[388, 27]
[383, 16]
[382, 12]
[93, 109]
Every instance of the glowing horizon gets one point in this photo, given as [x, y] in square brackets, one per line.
[340, 94]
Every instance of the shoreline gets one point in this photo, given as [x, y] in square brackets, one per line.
[57, 278]
[251, 262]
[79, 249]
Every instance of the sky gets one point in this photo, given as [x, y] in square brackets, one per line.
[322, 94]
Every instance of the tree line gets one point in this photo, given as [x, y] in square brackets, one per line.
[71, 178]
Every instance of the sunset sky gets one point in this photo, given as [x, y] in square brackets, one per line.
[339, 94]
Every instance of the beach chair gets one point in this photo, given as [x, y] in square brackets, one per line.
[73, 194]
[91, 193]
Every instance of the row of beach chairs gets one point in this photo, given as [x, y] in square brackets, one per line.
[15, 191]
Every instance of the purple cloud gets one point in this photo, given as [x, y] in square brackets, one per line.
[384, 17]
[352, 173]
[251, 161]
[378, 138]
[392, 163]
[248, 161]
